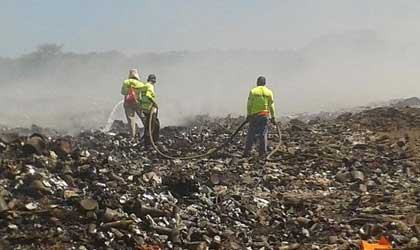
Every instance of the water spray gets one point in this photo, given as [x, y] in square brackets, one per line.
[110, 119]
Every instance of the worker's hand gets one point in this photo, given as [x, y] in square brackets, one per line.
[273, 120]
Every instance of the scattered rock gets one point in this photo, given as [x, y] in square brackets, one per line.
[88, 204]
[337, 181]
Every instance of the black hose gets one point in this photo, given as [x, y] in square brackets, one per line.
[278, 147]
[211, 151]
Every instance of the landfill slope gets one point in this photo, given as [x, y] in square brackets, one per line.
[335, 182]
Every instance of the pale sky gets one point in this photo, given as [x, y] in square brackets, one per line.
[135, 26]
[330, 54]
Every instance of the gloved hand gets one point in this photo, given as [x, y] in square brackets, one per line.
[273, 120]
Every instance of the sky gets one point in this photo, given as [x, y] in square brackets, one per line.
[135, 26]
[317, 55]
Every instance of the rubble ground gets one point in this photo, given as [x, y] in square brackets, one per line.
[336, 182]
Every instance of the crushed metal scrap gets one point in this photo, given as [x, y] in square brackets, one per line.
[336, 182]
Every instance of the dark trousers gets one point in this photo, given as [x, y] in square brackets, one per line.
[258, 128]
[155, 128]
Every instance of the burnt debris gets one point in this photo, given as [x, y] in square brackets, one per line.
[335, 182]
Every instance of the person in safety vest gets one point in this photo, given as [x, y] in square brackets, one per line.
[147, 103]
[131, 91]
[260, 108]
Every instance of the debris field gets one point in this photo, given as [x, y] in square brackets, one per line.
[335, 182]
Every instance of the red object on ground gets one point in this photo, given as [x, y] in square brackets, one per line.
[383, 244]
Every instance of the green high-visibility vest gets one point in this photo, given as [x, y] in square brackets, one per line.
[147, 97]
[260, 99]
[133, 83]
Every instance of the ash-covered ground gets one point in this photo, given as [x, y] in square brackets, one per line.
[337, 181]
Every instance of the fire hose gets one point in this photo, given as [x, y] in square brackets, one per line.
[212, 150]
[278, 147]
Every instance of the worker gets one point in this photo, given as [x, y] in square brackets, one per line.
[131, 91]
[147, 104]
[260, 107]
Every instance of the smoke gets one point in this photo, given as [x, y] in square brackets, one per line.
[72, 91]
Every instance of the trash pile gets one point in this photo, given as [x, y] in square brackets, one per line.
[407, 102]
[334, 183]
[385, 118]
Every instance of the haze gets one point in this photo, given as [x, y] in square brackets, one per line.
[316, 55]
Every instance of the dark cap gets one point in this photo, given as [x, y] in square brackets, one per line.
[261, 81]
[151, 78]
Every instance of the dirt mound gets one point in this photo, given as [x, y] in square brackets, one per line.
[384, 118]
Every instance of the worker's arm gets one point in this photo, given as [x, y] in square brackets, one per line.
[271, 107]
[124, 88]
[153, 100]
[139, 88]
[249, 104]
[151, 95]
